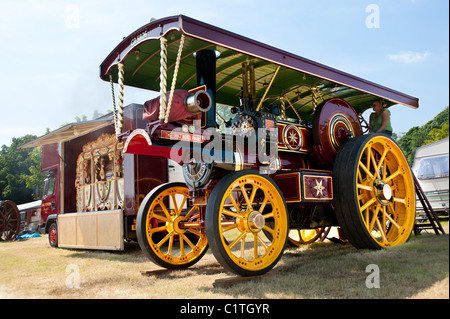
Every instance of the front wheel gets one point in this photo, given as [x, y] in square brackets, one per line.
[374, 192]
[242, 207]
[53, 235]
[163, 231]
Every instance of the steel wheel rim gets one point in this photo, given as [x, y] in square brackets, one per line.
[166, 239]
[249, 198]
[53, 235]
[385, 192]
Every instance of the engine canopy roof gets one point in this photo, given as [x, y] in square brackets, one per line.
[300, 82]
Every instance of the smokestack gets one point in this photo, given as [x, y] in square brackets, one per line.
[206, 75]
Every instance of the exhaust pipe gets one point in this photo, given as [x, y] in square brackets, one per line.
[184, 105]
[197, 102]
[206, 75]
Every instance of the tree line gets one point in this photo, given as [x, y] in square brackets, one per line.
[430, 132]
[20, 170]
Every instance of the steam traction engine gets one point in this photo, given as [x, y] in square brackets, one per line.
[271, 144]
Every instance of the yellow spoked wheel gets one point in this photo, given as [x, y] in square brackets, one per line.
[299, 237]
[243, 207]
[168, 230]
[374, 192]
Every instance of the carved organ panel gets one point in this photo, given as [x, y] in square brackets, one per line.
[99, 175]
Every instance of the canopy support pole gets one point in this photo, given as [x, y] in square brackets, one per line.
[118, 114]
[268, 88]
[174, 80]
[163, 79]
[114, 103]
[120, 111]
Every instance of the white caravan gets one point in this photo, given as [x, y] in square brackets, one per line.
[431, 167]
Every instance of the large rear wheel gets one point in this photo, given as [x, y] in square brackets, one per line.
[242, 207]
[168, 228]
[374, 192]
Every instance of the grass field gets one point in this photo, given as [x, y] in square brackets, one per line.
[417, 269]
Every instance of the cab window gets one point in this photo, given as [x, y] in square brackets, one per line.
[49, 185]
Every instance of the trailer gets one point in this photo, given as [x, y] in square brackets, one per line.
[431, 167]
[92, 190]
[30, 216]
[291, 154]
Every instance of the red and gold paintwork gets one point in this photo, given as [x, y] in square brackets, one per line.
[307, 186]
[294, 138]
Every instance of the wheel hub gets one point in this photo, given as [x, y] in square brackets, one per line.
[256, 221]
[383, 191]
[174, 225]
[387, 192]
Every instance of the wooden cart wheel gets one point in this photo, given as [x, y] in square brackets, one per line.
[159, 231]
[240, 207]
[299, 237]
[374, 192]
[9, 220]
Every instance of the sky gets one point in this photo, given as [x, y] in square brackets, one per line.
[50, 50]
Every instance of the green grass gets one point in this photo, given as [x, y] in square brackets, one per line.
[31, 269]
[328, 270]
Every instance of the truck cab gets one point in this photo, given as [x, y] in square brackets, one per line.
[49, 198]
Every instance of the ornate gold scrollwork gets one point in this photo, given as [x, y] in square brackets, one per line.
[99, 175]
